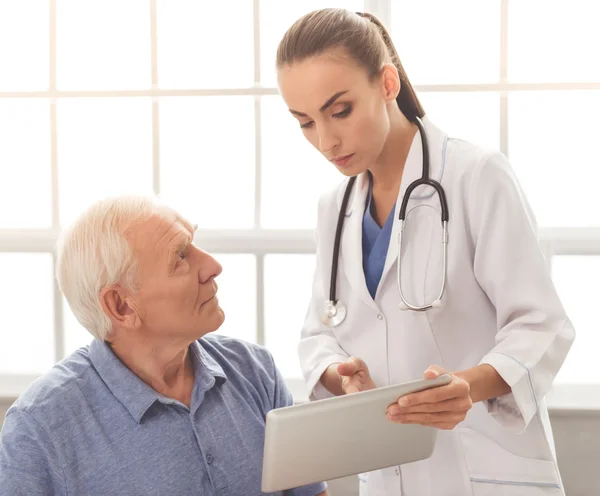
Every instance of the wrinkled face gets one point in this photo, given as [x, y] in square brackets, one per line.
[341, 112]
[176, 281]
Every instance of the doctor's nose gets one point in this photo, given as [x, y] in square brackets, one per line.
[327, 142]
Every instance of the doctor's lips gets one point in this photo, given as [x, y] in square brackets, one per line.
[342, 160]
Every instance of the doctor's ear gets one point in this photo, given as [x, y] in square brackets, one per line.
[390, 82]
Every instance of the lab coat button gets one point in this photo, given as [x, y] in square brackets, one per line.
[209, 459]
[379, 316]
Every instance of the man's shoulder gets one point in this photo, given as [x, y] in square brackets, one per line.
[249, 368]
[55, 387]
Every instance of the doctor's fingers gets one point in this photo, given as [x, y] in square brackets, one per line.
[458, 388]
[462, 404]
[430, 419]
[352, 366]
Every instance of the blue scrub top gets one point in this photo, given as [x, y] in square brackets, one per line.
[375, 242]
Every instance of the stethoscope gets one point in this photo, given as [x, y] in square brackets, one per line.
[335, 310]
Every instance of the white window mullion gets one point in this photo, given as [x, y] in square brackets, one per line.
[257, 119]
[53, 122]
[155, 108]
[59, 334]
[572, 241]
[260, 299]
[260, 259]
[265, 91]
[504, 76]
[256, 241]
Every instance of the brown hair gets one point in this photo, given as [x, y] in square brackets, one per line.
[363, 37]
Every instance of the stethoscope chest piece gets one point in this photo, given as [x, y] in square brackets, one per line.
[334, 313]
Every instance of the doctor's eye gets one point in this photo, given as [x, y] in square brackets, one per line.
[181, 256]
[344, 113]
[306, 125]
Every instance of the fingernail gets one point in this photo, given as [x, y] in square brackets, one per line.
[402, 402]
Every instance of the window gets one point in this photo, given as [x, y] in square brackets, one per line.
[575, 278]
[181, 96]
[518, 76]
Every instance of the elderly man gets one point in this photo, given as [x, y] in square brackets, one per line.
[153, 406]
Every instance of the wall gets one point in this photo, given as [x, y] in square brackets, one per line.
[577, 438]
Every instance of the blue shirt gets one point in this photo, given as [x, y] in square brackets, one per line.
[91, 427]
[375, 242]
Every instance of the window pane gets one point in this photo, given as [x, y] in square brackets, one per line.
[24, 25]
[553, 40]
[205, 44]
[75, 334]
[237, 295]
[552, 144]
[276, 17]
[207, 159]
[442, 42]
[26, 336]
[288, 288]
[25, 184]
[103, 45]
[294, 174]
[576, 279]
[104, 148]
[473, 117]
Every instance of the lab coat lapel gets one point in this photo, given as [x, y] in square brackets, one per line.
[351, 245]
[413, 170]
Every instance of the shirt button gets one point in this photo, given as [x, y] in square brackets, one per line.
[397, 472]
[379, 316]
[209, 459]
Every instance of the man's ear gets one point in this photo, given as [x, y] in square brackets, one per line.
[120, 307]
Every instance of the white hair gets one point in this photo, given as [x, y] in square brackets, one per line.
[93, 253]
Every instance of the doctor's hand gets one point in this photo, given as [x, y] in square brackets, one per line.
[442, 407]
[350, 376]
[355, 376]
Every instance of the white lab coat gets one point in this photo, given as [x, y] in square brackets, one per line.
[500, 307]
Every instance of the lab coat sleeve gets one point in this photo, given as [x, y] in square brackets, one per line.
[318, 347]
[534, 334]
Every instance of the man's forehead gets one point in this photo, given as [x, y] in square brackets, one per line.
[160, 230]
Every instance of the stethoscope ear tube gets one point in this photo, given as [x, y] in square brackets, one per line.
[335, 311]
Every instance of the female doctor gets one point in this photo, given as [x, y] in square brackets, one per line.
[487, 312]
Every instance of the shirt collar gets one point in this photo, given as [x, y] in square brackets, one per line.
[134, 394]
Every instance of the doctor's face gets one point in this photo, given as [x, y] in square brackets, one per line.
[340, 111]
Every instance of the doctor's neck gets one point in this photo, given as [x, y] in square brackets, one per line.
[387, 170]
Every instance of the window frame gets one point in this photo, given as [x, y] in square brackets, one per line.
[258, 241]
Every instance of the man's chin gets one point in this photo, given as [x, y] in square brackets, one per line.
[216, 321]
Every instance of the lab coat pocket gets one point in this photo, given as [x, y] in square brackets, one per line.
[495, 471]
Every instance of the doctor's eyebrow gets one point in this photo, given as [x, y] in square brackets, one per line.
[325, 106]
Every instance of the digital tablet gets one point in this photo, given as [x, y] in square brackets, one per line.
[341, 436]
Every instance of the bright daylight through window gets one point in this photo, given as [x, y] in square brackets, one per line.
[156, 107]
